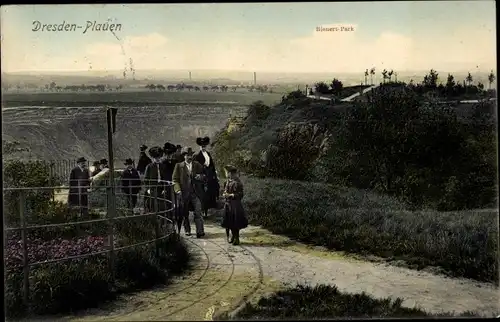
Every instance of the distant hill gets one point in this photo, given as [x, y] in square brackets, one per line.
[95, 76]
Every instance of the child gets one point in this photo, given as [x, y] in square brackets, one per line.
[234, 214]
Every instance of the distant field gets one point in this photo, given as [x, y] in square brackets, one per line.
[134, 98]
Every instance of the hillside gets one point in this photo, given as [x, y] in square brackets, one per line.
[353, 143]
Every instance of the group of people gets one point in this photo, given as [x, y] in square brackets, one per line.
[195, 186]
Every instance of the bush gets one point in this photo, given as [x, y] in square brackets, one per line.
[82, 283]
[324, 302]
[19, 174]
[463, 244]
[258, 111]
[295, 150]
[85, 282]
[403, 146]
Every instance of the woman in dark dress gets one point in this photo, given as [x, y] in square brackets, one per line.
[212, 186]
[234, 215]
[169, 163]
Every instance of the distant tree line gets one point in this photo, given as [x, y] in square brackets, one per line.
[430, 83]
[53, 87]
[214, 88]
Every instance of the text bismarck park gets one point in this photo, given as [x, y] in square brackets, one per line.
[71, 27]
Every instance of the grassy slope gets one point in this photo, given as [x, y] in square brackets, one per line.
[346, 219]
[461, 243]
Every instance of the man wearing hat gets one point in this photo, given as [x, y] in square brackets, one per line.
[79, 182]
[144, 160]
[131, 184]
[188, 178]
[212, 182]
[178, 153]
[153, 180]
[96, 168]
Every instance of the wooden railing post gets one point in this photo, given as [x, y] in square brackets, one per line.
[24, 237]
[51, 178]
[174, 210]
[111, 196]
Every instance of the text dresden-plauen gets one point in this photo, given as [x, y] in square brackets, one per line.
[64, 26]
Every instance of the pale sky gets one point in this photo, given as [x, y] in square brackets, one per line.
[267, 37]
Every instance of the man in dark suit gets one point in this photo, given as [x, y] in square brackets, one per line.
[212, 182]
[79, 182]
[153, 180]
[144, 160]
[168, 165]
[131, 184]
[188, 178]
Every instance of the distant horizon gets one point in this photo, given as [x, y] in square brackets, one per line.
[55, 72]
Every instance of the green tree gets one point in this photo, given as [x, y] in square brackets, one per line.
[430, 80]
[322, 88]
[336, 87]
[398, 144]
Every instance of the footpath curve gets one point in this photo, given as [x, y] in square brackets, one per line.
[225, 276]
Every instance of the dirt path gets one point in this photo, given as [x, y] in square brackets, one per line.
[226, 275]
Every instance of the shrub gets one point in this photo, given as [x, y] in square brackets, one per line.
[81, 283]
[78, 283]
[295, 150]
[404, 146]
[325, 301]
[258, 111]
[19, 174]
[463, 244]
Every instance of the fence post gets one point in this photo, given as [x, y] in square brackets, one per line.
[173, 208]
[51, 178]
[111, 197]
[26, 268]
[157, 228]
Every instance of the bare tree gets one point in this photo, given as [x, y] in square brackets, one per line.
[491, 79]
[469, 79]
[384, 75]
[366, 77]
[372, 73]
[389, 74]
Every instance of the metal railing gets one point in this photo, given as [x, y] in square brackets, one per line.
[62, 168]
[157, 204]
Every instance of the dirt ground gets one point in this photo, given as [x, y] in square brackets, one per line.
[225, 276]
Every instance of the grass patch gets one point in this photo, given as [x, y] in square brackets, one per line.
[325, 301]
[463, 244]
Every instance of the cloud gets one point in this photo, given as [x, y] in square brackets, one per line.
[335, 50]
[147, 51]
[320, 51]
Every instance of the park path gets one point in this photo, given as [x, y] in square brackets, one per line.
[225, 276]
